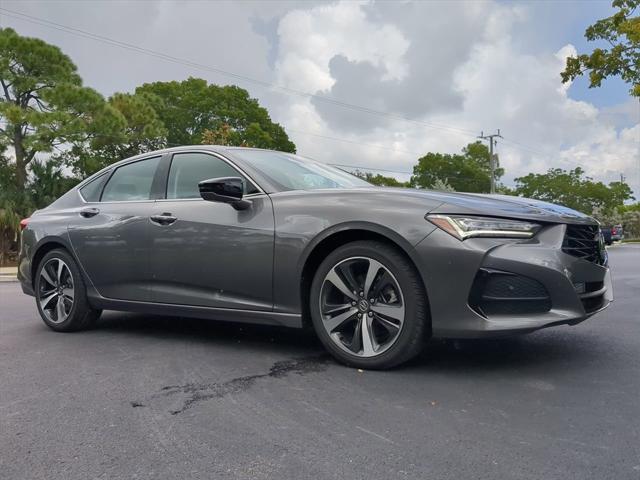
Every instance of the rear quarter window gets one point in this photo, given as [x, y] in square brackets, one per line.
[92, 190]
[131, 181]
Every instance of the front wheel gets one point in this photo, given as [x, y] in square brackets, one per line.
[368, 306]
[61, 295]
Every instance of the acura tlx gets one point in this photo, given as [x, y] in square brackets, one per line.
[250, 235]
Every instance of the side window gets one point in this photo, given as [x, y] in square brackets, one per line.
[92, 190]
[131, 182]
[189, 169]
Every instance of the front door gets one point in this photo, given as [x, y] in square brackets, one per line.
[111, 235]
[207, 253]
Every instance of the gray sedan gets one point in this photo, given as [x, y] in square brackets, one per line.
[259, 236]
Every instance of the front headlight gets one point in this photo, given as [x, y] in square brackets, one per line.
[463, 227]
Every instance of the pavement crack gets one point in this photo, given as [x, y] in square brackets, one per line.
[199, 392]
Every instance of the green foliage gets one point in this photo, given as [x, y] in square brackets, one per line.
[380, 180]
[621, 32]
[192, 107]
[43, 104]
[573, 189]
[47, 182]
[442, 186]
[466, 172]
[133, 127]
[626, 215]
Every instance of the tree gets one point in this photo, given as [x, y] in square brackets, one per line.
[626, 215]
[442, 186]
[136, 128]
[48, 181]
[43, 104]
[573, 189]
[621, 32]
[380, 180]
[13, 203]
[191, 109]
[466, 172]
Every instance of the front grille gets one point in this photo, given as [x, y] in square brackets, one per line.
[503, 293]
[585, 241]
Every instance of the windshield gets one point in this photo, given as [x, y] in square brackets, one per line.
[290, 172]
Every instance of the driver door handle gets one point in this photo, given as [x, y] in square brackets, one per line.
[89, 212]
[164, 219]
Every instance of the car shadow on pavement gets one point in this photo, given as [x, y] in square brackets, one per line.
[212, 332]
[552, 348]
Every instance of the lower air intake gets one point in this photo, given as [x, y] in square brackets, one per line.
[504, 293]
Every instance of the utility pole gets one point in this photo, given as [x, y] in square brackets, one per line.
[492, 159]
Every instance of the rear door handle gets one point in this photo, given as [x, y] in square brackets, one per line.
[89, 212]
[164, 219]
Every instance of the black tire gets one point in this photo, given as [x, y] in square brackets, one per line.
[416, 327]
[80, 314]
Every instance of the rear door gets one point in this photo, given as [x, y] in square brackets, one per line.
[207, 253]
[111, 234]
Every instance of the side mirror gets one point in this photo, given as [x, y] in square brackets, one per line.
[226, 190]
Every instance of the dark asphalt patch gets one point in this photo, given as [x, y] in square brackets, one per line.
[200, 392]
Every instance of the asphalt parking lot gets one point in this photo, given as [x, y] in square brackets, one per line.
[151, 397]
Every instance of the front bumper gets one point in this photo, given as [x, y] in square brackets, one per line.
[449, 268]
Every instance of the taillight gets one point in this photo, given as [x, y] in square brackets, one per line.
[614, 231]
[23, 223]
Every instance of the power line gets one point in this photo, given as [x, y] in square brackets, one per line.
[355, 142]
[170, 58]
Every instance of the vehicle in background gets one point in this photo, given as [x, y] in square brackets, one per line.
[617, 233]
[606, 235]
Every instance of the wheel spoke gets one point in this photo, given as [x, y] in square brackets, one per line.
[333, 309]
[393, 311]
[44, 273]
[333, 323]
[351, 282]
[368, 340]
[372, 273]
[45, 301]
[60, 270]
[68, 292]
[391, 327]
[337, 282]
[60, 313]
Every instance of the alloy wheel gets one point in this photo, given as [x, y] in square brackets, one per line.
[56, 292]
[362, 306]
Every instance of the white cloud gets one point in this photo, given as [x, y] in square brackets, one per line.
[501, 84]
[309, 39]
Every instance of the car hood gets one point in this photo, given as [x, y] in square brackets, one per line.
[500, 206]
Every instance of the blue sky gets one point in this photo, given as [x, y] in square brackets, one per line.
[565, 22]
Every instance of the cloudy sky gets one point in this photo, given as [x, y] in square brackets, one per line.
[388, 81]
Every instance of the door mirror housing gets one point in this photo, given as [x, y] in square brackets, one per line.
[226, 190]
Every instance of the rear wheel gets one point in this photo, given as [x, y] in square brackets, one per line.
[61, 295]
[368, 306]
